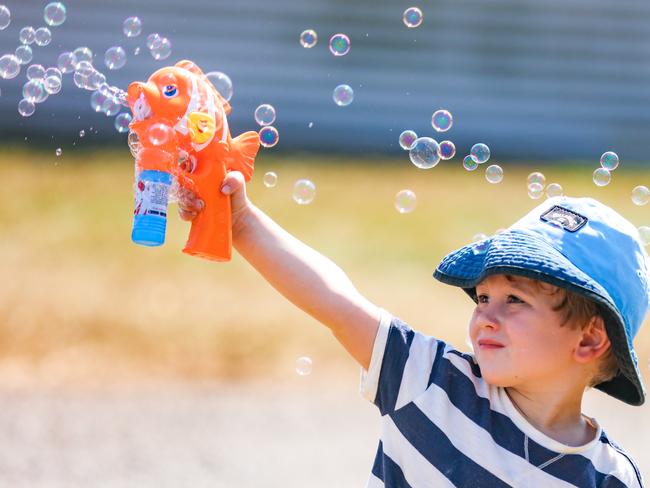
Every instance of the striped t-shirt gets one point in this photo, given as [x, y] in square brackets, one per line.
[444, 426]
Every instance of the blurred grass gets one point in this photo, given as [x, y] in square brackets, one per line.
[79, 300]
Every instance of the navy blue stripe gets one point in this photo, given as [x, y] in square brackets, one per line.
[436, 447]
[476, 369]
[388, 471]
[400, 337]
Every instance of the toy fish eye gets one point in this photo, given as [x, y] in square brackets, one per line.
[170, 91]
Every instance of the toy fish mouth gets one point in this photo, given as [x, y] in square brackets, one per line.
[142, 109]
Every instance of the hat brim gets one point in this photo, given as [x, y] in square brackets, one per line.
[513, 252]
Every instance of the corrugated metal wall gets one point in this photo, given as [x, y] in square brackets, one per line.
[552, 79]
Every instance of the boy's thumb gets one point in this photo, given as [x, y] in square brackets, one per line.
[232, 183]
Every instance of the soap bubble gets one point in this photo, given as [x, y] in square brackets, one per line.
[5, 17]
[535, 191]
[26, 108]
[406, 139]
[34, 91]
[222, 83]
[82, 133]
[339, 44]
[132, 27]
[494, 173]
[480, 152]
[424, 153]
[602, 177]
[42, 36]
[554, 190]
[24, 54]
[405, 201]
[53, 72]
[95, 79]
[136, 51]
[308, 38]
[115, 57]
[122, 122]
[303, 366]
[446, 150]
[52, 85]
[270, 179]
[343, 95]
[83, 54]
[469, 163]
[134, 143]
[269, 136]
[640, 195]
[412, 17]
[58, 152]
[97, 100]
[111, 106]
[536, 177]
[159, 134]
[442, 120]
[480, 244]
[9, 66]
[35, 72]
[265, 114]
[644, 234]
[67, 62]
[161, 48]
[26, 35]
[304, 192]
[152, 39]
[54, 14]
[609, 160]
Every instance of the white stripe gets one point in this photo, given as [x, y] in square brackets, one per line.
[418, 471]
[606, 459]
[477, 443]
[374, 482]
[370, 379]
[417, 369]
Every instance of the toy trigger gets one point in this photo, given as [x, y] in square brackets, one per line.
[202, 127]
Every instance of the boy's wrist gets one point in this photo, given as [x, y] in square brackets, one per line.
[240, 219]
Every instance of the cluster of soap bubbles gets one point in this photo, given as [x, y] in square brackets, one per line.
[160, 47]
[537, 187]
[608, 162]
[265, 116]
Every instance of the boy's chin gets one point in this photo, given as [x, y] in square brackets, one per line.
[495, 379]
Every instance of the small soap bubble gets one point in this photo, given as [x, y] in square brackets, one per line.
[83, 54]
[406, 139]
[303, 366]
[405, 201]
[480, 243]
[412, 17]
[122, 122]
[132, 27]
[159, 134]
[446, 150]
[111, 106]
[82, 133]
[310, 125]
[644, 234]
[42, 36]
[339, 44]
[269, 136]
[136, 51]
[424, 153]
[609, 160]
[494, 173]
[26, 35]
[554, 190]
[5, 17]
[52, 85]
[24, 54]
[536, 177]
[308, 38]
[58, 152]
[161, 49]
[343, 95]
[270, 179]
[67, 62]
[34, 91]
[26, 108]
[9, 66]
[602, 177]
[152, 39]
[304, 192]
[54, 14]
[35, 72]
[222, 83]
[480, 152]
[535, 191]
[265, 114]
[134, 143]
[640, 195]
[53, 72]
[469, 163]
[115, 57]
[442, 120]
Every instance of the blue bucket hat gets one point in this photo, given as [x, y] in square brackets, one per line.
[583, 246]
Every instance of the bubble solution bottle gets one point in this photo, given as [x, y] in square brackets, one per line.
[150, 214]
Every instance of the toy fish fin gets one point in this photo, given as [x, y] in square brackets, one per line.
[243, 149]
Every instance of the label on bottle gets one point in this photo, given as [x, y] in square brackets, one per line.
[151, 198]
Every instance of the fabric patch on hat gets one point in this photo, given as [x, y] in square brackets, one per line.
[565, 218]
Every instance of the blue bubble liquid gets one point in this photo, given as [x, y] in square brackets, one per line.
[150, 214]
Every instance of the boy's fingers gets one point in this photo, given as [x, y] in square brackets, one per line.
[186, 215]
[232, 183]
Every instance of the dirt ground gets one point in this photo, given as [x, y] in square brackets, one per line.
[211, 434]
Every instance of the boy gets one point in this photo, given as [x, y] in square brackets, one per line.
[560, 296]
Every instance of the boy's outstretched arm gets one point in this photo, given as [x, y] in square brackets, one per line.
[305, 277]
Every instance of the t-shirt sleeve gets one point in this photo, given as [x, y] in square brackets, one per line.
[401, 365]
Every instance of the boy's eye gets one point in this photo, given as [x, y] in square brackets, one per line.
[482, 298]
[170, 91]
[514, 299]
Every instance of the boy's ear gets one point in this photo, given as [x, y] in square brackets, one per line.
[594, 341]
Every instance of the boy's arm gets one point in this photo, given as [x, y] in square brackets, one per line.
[305, 277]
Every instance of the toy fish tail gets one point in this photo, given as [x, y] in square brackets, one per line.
[243, 149]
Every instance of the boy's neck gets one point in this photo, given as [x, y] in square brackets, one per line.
[557, 414]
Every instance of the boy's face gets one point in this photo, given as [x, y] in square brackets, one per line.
[516, 334]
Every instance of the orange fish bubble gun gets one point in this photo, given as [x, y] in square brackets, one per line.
[179, 119]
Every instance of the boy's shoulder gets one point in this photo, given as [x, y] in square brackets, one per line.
[622, 461]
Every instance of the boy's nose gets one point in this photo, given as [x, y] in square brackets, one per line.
[488, 318]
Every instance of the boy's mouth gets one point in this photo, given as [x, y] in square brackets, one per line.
[489, 344]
